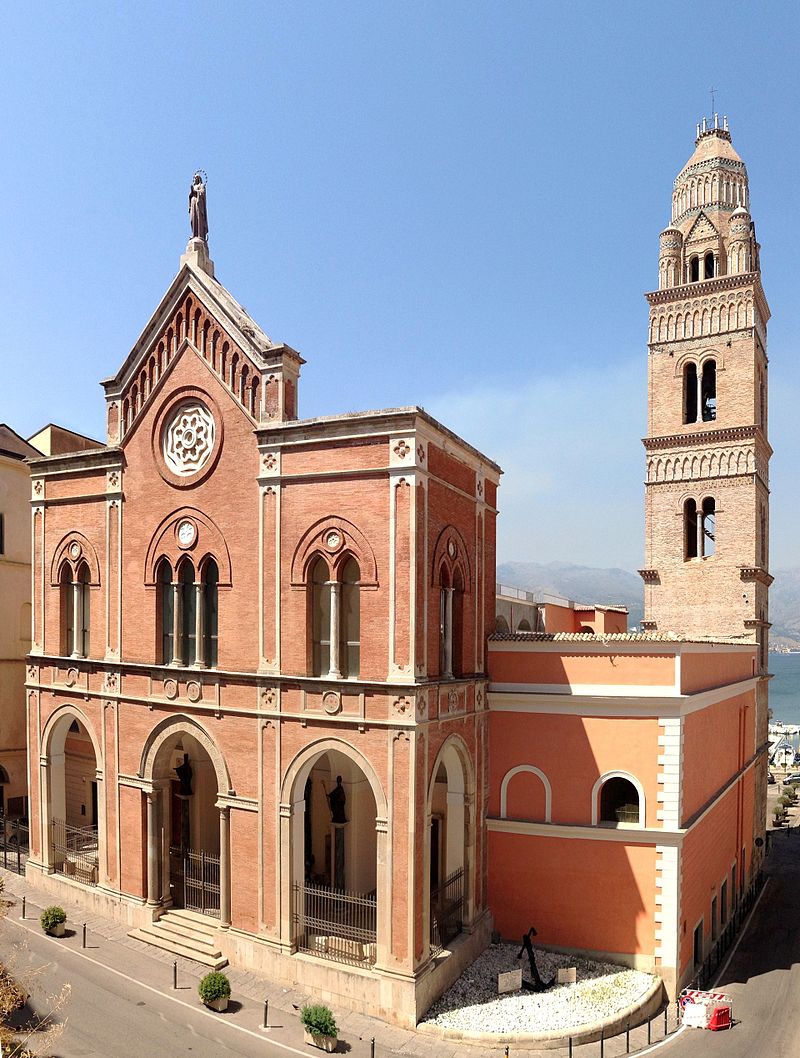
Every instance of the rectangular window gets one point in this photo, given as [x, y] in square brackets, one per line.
[723, 902]
[714, 919]
[189, 621]
[69, 618]
[167, 618]
[85, 603]
[698, 944]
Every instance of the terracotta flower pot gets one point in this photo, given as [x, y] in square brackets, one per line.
[57, 930]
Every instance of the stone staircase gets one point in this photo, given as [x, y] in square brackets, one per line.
[184, 933]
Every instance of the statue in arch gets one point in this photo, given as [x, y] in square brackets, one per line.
[198, 217]
[184, 773]
[337, 799]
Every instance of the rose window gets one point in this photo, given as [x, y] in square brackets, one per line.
[188, 438]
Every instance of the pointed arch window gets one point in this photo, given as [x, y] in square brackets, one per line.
[350, 652]
[320, 619]
[166, 609]
[708, 265]
[708, 526]
[445, 623]
[694, 269]
[690, 393]
[188, 614]
[75, 605]
[708, 391]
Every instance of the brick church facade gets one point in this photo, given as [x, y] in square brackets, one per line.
[261, 726]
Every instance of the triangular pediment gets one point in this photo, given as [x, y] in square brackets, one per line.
[702, 229]
[199, 317]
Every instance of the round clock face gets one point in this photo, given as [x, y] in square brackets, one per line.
[186, 534]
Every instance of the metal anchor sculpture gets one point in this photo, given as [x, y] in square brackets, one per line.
[538, 984]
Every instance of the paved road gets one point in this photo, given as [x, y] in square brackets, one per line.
[107, 1016]
[764, 975]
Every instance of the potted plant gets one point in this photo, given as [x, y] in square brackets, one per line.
[777, 812]
[319, 1026]
[215, 990]
[52, 920]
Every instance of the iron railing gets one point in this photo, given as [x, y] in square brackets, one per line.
[14, 843]
[195, 874]
[447, 907]
[75, 851]
[336, 924]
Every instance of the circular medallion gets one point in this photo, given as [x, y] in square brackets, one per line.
[75, 549]
[331, 702]
[187, 533]
[451, 549]
[193, 691]
[333, 540]
[170, 689]
[188, 438]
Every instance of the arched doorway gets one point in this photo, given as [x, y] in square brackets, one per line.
[335, 828]
[450, 846]
[187, 828]
[73, 803]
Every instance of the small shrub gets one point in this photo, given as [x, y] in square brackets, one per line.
[214, 986]
[786, 800]
[777, 811]
[318, 1020]
[52, 916]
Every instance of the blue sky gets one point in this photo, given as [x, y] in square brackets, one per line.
[453, 204]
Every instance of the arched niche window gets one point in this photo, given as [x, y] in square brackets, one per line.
[524, 625]
[708, 390]
[75, 611]
[690, 392]
[320, 618]
[708, 265]
[694, 269]
[619, 801]
[457, 624]
[166, 611]
[690, 529]
[350, 625]
[708, 536]
[445, 642]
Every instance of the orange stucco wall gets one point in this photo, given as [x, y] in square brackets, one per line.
[556, 887]
[717, 741]
[573, 752]
[566, 664]
[708, 853]
[715, 668]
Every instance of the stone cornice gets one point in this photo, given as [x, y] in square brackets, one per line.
[75, 462]
[707, 286]
[706, 437]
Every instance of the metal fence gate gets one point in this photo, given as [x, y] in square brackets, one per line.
[14, 843]
[447, 908]
[336, 924]
[194, 876]
[74, 851]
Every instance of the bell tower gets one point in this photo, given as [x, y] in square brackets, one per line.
[707, 453]
[707, 485]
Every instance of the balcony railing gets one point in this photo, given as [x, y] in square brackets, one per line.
[336, 924]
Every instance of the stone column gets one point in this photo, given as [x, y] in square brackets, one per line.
[224, 868]
[384, 909]
[153, 874]
[177, 624]
[336, 599]
[199, 613]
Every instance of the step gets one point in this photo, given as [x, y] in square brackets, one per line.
[192, 920]
[184, 933]
[150, 935]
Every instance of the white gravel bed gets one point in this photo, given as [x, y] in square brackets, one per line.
[472, 1004]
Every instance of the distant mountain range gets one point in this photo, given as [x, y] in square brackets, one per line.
[589, 584]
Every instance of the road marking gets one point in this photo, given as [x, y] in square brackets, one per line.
[164, 995]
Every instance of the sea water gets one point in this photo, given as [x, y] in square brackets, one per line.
[784, 687]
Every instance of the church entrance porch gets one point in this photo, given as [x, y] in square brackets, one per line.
[72, 843]
[334, 885]
[187, 830]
